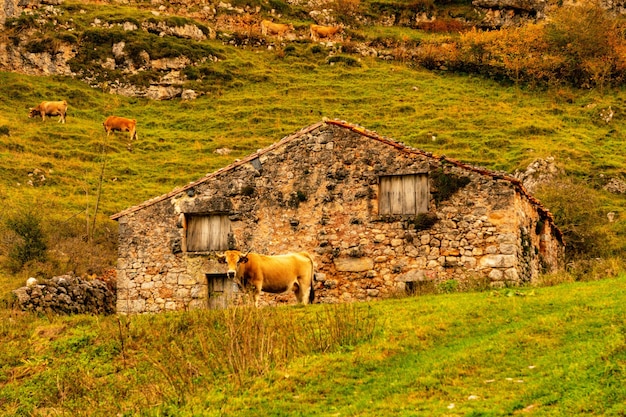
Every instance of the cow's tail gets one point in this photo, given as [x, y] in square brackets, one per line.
[312, 292]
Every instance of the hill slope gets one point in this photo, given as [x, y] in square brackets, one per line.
[255, 95]
[557, 351]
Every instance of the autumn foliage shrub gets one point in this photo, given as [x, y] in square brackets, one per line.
[590, 43]
[580, 45]
[442, 26]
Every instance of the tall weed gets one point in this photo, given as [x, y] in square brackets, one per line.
[246, 342]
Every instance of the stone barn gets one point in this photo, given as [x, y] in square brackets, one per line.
[380, 218]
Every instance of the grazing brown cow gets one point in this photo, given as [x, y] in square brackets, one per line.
[271, 28]
[273, 274]
[50, 108]
[319, 31]
[120, 124]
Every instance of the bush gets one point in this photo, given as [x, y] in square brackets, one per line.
[346, 9]
[588, 40]
[581, 45]
[580, 219]
[25, 240]
[344, 59]
[25, 21]
[43, 45]
[442, 26]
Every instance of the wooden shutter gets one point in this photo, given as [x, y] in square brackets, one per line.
[207, 233]
[220, 290]
[403, 194]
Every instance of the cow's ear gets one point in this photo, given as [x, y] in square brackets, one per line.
[243, 260]
[221, 258]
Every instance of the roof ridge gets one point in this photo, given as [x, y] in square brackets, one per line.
[517, 183]
[213, 174]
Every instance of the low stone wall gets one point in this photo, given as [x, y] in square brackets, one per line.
[67, 294]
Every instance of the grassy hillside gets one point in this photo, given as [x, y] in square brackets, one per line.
[64, 175]
[552, 351]
[472, 119]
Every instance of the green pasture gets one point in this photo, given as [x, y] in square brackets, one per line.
[548, 351]
[467, 118]
[260, 96]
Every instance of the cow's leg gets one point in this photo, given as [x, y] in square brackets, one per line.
[302, 291]
[305, 292]
[256, 295]
[297, 290]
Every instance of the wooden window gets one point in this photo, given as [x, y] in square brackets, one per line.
[207, 232]
[403, 194]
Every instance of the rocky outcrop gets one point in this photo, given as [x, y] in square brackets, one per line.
[9, 9]
[533, 6]
[615, 186]
[538, 172]
[67, 294]
[43, 63]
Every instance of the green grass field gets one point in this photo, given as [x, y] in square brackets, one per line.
[551, 351]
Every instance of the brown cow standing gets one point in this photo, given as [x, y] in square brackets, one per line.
[319, 31]
[120, 124]
[270, 28]
[50, 108]
[273, 274]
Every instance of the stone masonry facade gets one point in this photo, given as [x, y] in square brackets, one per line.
[317, 191]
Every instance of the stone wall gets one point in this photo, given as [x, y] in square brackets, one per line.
[318, 191]
[67, 294]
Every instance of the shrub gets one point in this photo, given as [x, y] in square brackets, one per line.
[23, 22]
[144, 78]
[67, 37]
[587, 38]
[581, 45]
[446, 184]
[344, 59]
[346, 8]
[442, 26]
[448, 287]
[280, 6]
[46, 44]
[580, 219]
[317, 49]
[71, 250]
[25, 240]
[424, 221]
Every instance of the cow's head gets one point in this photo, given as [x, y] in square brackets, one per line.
[232, 258]
[33, 112]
